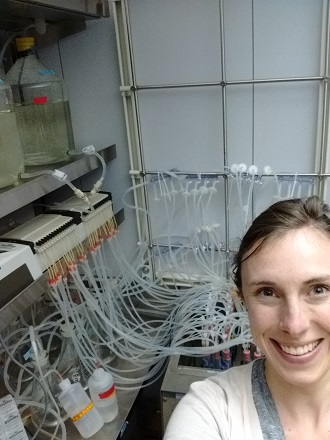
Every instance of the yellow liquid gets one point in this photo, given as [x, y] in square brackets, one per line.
[46, 132]
[11, 155]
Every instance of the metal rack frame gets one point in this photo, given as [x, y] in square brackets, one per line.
[130, 91]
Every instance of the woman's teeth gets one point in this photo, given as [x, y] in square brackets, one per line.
[299, 351]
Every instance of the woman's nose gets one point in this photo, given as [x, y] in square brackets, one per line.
[294, 318]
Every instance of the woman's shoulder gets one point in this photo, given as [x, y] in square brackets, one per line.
[219, 407]
[235, 377]
[231, 390]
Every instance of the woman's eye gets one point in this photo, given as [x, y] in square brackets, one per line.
[319, 290]
[266, 292]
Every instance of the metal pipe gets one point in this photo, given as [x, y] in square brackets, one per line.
[224, 132]
[223, 84]
[253, 102]
[275, 80]
[141, 195]
[222, 41]
[220, 247]
[194, 174]
[325, 117]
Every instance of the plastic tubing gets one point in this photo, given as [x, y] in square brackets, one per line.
[87, 297]
[153, 288]
[137, 338]
[11, 358]
[129, 270]
[84, 347]
[172, 254]
[50, 410]
[126, 381]
[33, 376]
[90, 150]
[238, 177]
[135, 208]
[254, 170]
[45, 384]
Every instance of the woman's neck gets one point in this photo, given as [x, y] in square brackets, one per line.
[304, 411]
[297, 401]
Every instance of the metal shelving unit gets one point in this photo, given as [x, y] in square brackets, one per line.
[27, 191]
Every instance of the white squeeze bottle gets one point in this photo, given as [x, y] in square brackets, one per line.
[103, 394]
[79, 407]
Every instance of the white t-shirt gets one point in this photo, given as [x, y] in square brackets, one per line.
[218, 408]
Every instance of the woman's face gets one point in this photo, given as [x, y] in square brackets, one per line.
[286, 288]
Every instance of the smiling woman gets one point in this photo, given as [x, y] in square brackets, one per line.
[282, 272]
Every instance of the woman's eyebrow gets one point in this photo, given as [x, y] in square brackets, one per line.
[320, 279]
[261, 283]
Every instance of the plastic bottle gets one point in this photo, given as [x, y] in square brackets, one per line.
[42, 108]
[103, 394]
[79, 407]
[11, 153]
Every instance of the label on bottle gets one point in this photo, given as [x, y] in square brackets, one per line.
[40, 100]
[11, 425]
[82, 413]
[46, 72]
[109, 393]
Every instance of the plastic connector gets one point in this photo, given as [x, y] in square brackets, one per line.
[96, 187]
[90, 149]
[81, 195]
[253, 169]
[234, 168]
[40, 25]
[267, 170]
[242, 167]
[59, 175]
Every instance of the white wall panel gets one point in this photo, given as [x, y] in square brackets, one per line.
[287, 38]
[182, 129]
[175, 41]
[285, 126]
[238, 39]
[239, 124]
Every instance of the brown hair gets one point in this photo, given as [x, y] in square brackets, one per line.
[277, 220]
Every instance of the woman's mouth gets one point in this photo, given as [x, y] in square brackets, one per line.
[299, 350]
